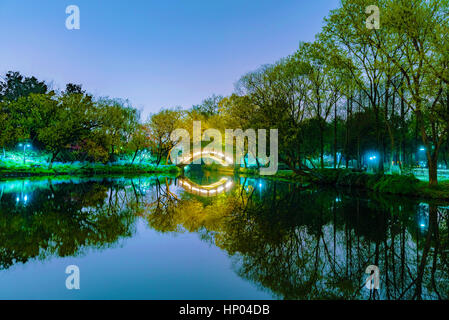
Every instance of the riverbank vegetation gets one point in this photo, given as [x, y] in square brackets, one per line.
[396, 184]
[47, 132]
[14, 169]
[356, 97]
[363, 98]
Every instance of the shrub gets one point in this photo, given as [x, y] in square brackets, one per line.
[397, 184]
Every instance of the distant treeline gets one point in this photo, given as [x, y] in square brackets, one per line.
[353, 96]
[69, 125]
[379, 97]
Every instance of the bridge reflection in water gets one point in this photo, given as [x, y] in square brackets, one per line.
[211, 190]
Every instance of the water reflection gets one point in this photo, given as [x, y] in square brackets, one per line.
[210, 190]
[43, 219]
[291, 242]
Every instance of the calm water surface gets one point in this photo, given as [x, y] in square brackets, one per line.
[213, 237]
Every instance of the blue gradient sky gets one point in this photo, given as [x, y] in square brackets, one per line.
[157, 54]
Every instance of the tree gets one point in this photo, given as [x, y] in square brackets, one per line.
[325, 84]
[15, 86]
[9, 131]
[209, 106]
[413, 28]
[117, 121]
[342, 28]
[279, 93]
[139, 140]
[74, 88]
[70, 120]
[160, 126]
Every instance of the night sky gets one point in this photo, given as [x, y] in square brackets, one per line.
[157, 54]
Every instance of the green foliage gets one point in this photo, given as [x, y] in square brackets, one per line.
[160, 126]
[70, 126]
[15, 86]
[397, 184]
[382, 183]
[12, 168]
[209, 106]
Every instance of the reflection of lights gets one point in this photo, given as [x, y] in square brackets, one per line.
[207, 190]
[24, 198]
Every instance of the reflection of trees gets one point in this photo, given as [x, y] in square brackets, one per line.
[317, 244]
[169, 212]
[63, 220]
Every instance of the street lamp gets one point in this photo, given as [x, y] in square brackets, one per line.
[25, 146]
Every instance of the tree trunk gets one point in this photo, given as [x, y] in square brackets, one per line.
[335, 136]
[159, 158]
[53, 157]
[135, 155]
[321, 145]
[402, 136]
[111, 157]
[359, 165]
[433, 168]
[348, 113]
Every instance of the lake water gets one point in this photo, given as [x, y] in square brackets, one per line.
[215, 237]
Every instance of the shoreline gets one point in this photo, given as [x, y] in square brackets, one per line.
[401, 185]
[90, 170]
[392, 184]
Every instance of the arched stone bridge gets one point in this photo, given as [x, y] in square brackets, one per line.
[219, 157]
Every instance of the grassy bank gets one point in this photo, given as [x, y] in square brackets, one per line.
[26, 170]
[281, 175]
[407, 185]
